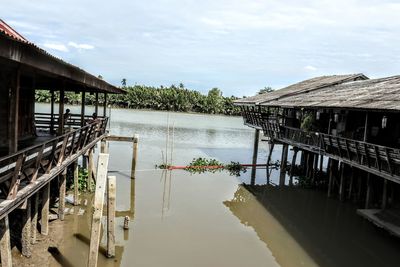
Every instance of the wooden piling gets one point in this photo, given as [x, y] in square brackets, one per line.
[76, 183]
[368, 195]
[293, 166]
[35, 208]
[282, 176]
[111, 194]
[384, 194]
[26, 229]
[342, 182]
[271, 149]
[102, 166]
[255, 154]
[331, 174]
[90, 170]
[61, 204]
[103, 146]
[5, 243]
[134, 155]
[44, 223]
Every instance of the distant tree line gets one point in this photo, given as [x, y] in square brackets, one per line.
[172, 98]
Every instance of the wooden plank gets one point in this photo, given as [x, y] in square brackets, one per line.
[44, 223]
[120, 138]
[61, 205]
[111, 206]
[76, 183]
[102, 166]
[5, 243]
[26, 239]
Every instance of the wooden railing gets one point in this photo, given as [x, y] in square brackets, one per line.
[256, 119]
[45, 121]
[26, 166]
[380, 160]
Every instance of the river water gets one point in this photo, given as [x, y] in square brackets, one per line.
[183, 219]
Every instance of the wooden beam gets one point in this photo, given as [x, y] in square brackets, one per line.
[13, 113]
[120, 138]
[102, 166]
[111, 195]
[5, 243]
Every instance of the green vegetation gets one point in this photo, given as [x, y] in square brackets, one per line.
[173, 98]
[82, 181]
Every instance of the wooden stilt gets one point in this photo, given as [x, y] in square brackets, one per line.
[314, 168]
[90, 170]
[105, 105]
[368, 196]
[103, 146]
[255, 154]
[282, 176]
[76, 183]
[293, 166]
[351, 186]
[61, 205]
[5, 244]
[44, 222]
[331, 174]
[384, 194]
[61, 112]
[321, 163]
[35, 209]
[342, 182]
[96, 106]
[111, 194]
[83, 109]
[102, 166]
[271, 148]
[134, 155]
[26, 230]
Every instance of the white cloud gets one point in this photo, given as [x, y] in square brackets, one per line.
[310, 68]
[57, 47]
[81, 46]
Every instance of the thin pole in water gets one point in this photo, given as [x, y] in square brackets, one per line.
[172, 142]
[166, 143]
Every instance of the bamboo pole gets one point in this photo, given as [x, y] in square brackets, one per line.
[5, 243]
[111, 194]
[102, 166]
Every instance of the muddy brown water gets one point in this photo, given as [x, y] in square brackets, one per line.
[183, 219]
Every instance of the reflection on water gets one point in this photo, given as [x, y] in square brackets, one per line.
[330, 232]
[183, 219]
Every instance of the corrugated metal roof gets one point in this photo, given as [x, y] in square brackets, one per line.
[7, 32]
[378, 94]
[304, 86]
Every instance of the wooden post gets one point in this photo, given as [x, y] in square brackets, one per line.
[76, 183]
[61, 112]
[105, 105]
[111, 194]
[61, 205]
[90, 170]
[330, 182]
[52, 112]
[26, 230]
[5, 244]
[134, 156]
[96, 107]
[255, 154]
[368, 196]
[44, 223]
[351, 186]
[282, 176]
[102, 166]
[83, 109]
[103, 146]
[342, 182]
[321, 163]
[13, 115]
[271, 148]
[35, 208]
[292, 167]
[384, 194]
[314, 167]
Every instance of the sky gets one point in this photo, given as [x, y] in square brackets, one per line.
[236, 45]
